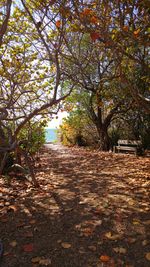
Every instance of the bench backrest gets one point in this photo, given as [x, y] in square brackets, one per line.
[130, 142]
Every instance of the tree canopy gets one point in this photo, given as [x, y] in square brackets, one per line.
[48, 48]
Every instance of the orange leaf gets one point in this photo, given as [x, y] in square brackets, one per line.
[94, 20]
[28, 248]
[136, 32]
[58, 23]
[94, 36]
[104, 258]
[125, 28]
[86, 11]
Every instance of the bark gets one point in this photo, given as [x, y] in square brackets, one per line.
[3, 162]
[104, 140]
[4, 25]
[31, 170]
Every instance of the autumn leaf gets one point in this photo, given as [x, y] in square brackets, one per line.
[86, 12]
[94, 36]
[66, 245]
[58, 23]
[20, 224]
[32, 222]
[147, 256]
[12, 208]
[28, 234]
[126, 28]
[94, 20]
[13, 243]
[35, 260]
[28, 247]
[104, 258]
[120, 250]
[45, 262]
[110, 236]
[136, 33]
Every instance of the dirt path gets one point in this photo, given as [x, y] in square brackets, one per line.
[92, 210]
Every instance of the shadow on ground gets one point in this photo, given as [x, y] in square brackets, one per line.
[90, 204]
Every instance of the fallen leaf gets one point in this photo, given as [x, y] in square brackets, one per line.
[136, 222]
[92, 248]
[147, 256]
[45, 262]
[13, 243]
[3, 220]
[66, 245]
[35, 260]
[32, 222]
[131, 240]
[28, 234]
[104, 258]
[147, 222]
[144, 242]
[28, 248]
[110, 236]
[20, 224]
[12, 208]
[7, 253]
[120, 250]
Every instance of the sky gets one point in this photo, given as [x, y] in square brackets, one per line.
[54, 123]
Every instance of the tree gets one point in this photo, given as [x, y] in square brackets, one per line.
[5, 9]
[122, 27]
[29, 73]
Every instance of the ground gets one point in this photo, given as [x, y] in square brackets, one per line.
[91, 210]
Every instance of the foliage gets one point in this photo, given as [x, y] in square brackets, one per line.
[32, 137]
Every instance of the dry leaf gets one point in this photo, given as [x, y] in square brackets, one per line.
[110, 236]
[4, 220]
[136, 222]
[92, 248]
[35, 260]
[66, 245]
[144, 242]
[28, 248]
[147, 256]
[32, 222]
[13, 243]
[12, 208]
[120, 250]
[147, 222]
[7, 253]
[21, 224]
[45, 262]
[104, 258]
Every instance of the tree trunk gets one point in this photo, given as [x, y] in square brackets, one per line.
[104, 140]
[3, 162]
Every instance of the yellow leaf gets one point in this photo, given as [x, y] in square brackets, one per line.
[112, 237]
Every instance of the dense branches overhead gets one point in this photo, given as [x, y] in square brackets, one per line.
[48, 47]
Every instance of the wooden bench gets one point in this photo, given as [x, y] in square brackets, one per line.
[128, 146]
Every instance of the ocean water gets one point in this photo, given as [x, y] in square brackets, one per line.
[51, 135]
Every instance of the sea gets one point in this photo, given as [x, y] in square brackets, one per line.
[51, 135]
